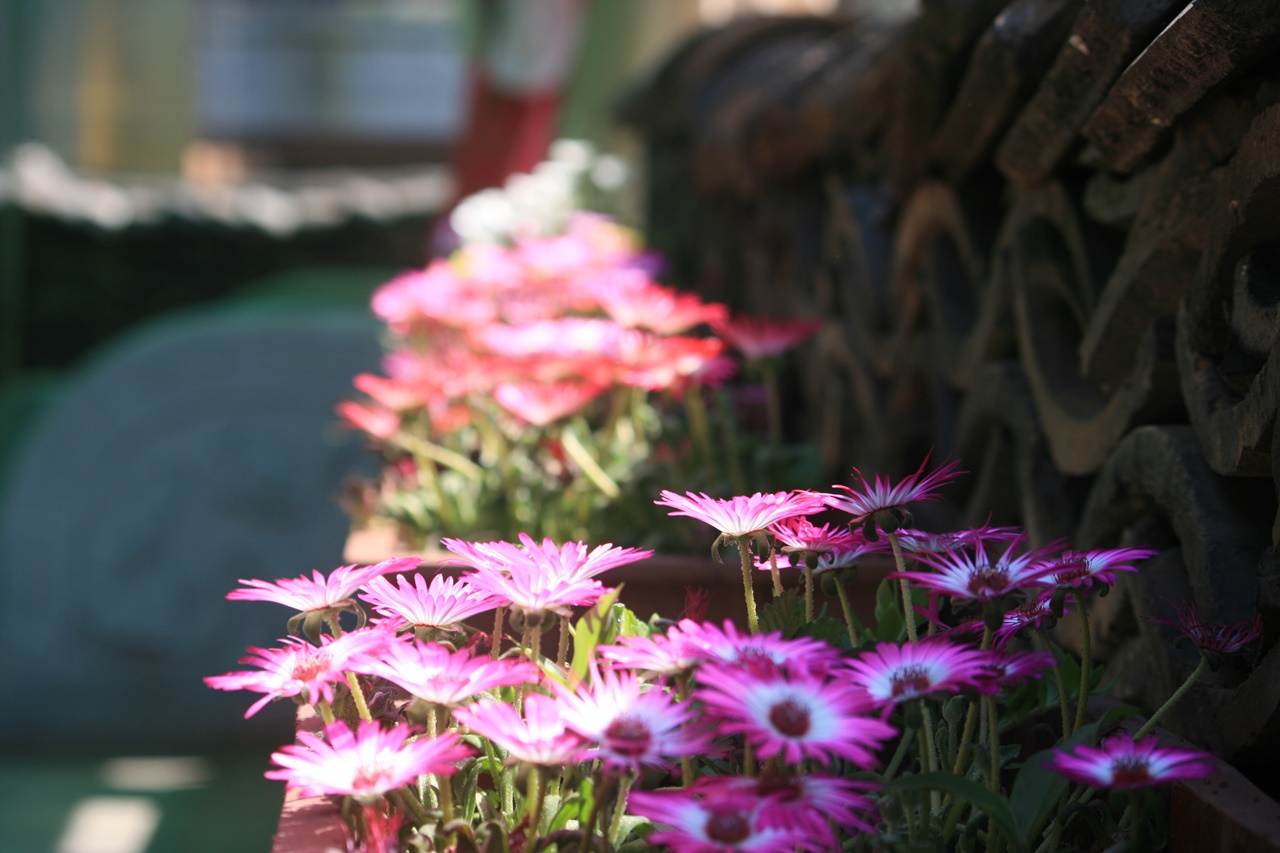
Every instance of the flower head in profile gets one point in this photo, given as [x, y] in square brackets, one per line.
[795, 716]
[630, 726]
[743, 515]
[976, 576]
[922, 542]
[1084, 569]
[659, 654]
[769, 650]
[892, 673]
[758, 338]
[1037, 613]
[881, 504]
[365, 763]
[1217, 639]
[808, 802]
[711, 819]
[543, 403]
[319, 592]
[1007, 668]
[442, 603]
[828, 547]
[442, 676]
[1122, 764]
[299, 668]
[541, 737]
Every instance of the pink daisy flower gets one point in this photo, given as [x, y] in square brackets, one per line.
[974, 576]
[713, 821]
[318, 592]
[299, 668]
[884, 505]
[1219, 639]
[378, 422]
[795, 716]
[541, 404]
[1005, 668]
[1031, 614]
[541, 737]
[924, 543]
[758, 338]
[441, 676]
[743, 515]
[569, 561]
[445, 602]
[836, 548]
[807, 802]
[630, 725]
[366, 763]
[660, 309]
[892, 673]
[659, 655]
[1083, 569]
[726, 645]
[1121, 764]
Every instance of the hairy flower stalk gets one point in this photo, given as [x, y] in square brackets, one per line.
[1086, 662]
[744, 552]
[1173, 699]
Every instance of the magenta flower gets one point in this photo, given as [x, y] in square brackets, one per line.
[366, 763]
[660, 654]
[924, 542]
[835, 548]
[571, 561]
[541, 403]
[441, 676]
[1005, 668]
[443, 603]
[726, 645]
[299, 668]
[1082, 569]
[891, 673]
[974, 576]
[541, 737]
[809, 803]
[318, 592]
[742, 516]
[1031, 614]
[881, 504]
[1220, 639]
[1121, 764]
[759, 338]
[711, 821]
[630, 725]
[795, 716]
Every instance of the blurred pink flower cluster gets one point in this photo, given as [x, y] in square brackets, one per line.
[528, 384]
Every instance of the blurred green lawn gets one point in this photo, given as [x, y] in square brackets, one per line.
[209, 804]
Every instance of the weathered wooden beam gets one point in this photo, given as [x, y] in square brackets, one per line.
[1209, 42]
[1012, 480]
[1003, 71]
[1228, 343]
[1157, 491]
[1105, 38]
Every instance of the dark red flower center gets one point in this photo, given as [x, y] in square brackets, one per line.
[1069, 571]
[1129, 771]
[911, 680]
[627, 736]
[790, 718]
[727, 827]
[310, 667]
[992, 578]
[370, 777]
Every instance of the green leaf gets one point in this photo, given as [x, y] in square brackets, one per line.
[783, 613]
[588, 631]
[993, 805]
[889, 623]
[1038, 788]
[1119, 712]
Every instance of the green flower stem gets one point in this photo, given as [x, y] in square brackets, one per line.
[850, 619]
[562, 648]
[1133, 819]
[362, 707]
[773, 401]
[808, 593]
[533, 804]
[899, 754]
[1173, 700]
[619, 810]
[696, 410]
[578, 453]
[729, 431]
[410, 803]
[496, 650]
[325, 711]
[1086, 662]
[993, 742]
[744, 551]
[1061, 682]
[908, 612]
[774, 574]
[437, 454]
[438, 720]
[604, 790]
[970, 719]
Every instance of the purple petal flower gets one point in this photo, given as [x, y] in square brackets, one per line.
[1121, 764]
